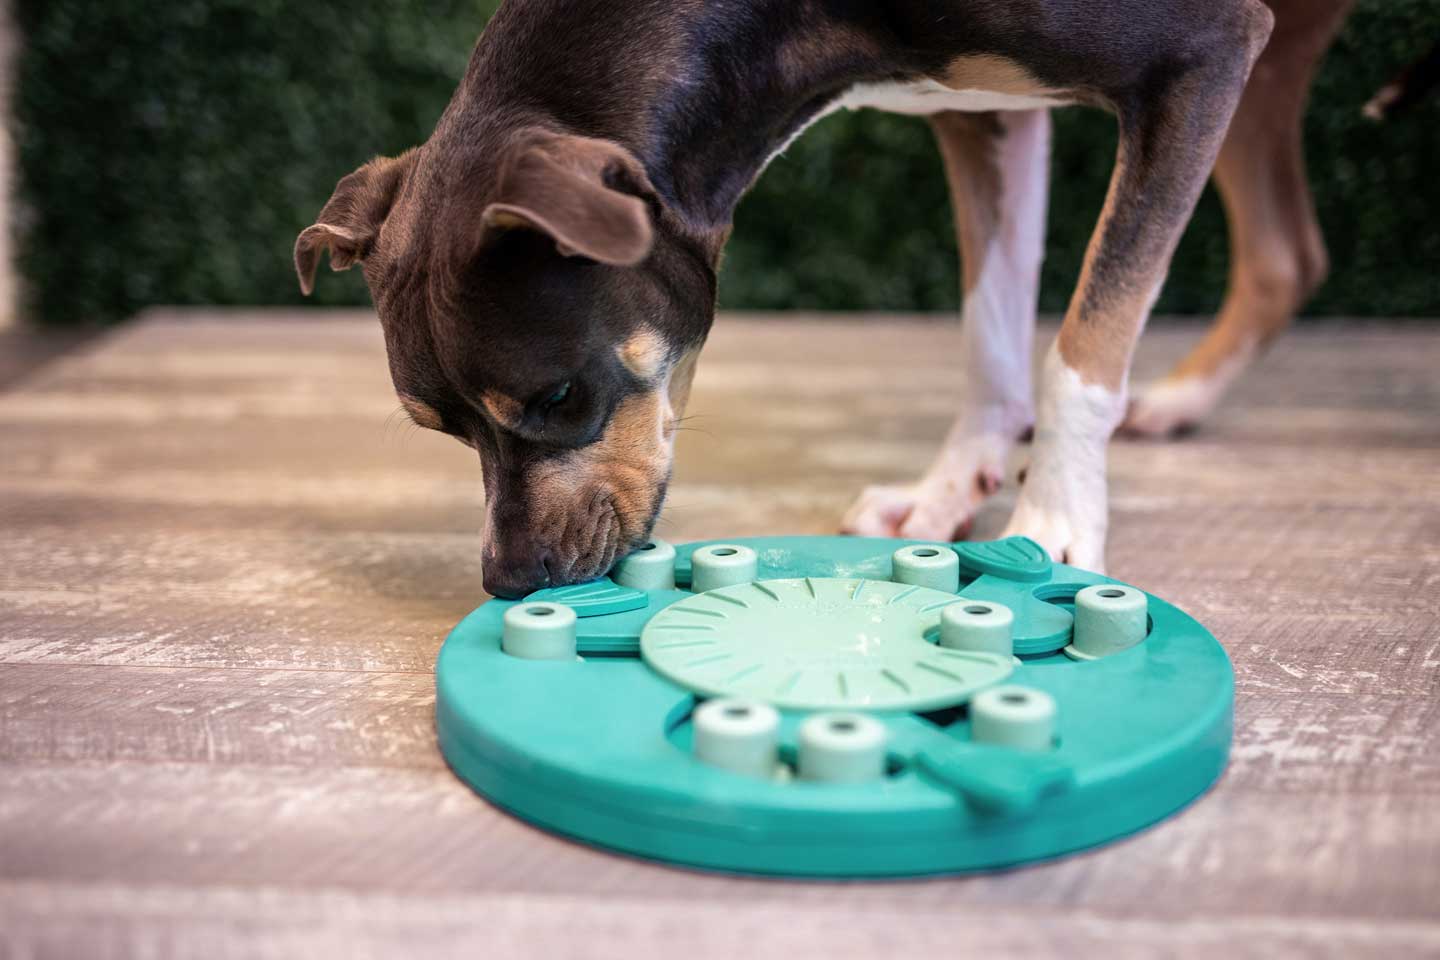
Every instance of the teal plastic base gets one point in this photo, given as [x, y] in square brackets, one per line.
[598, 748]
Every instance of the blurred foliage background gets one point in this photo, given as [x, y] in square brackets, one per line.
[170, 152]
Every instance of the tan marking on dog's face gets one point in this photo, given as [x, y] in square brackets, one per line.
[595, 503]
[506, 410]
[644, 354]
[422, 413]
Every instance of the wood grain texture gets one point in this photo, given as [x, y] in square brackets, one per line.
[226, 566]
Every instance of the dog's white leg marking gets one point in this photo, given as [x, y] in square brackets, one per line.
[1003, 234]
[1063, 503]
[996, 406]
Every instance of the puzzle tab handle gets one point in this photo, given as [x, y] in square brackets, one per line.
[993, 780]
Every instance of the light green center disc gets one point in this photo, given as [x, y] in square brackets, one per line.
[818, 643]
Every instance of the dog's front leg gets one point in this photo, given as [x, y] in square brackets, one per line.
[1170, 133]
[997, 166]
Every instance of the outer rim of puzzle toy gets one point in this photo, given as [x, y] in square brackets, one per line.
[550, 748]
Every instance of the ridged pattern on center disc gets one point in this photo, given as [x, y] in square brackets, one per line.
[818, 643]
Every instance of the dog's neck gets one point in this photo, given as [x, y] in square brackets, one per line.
[741, 93]
[703, 93]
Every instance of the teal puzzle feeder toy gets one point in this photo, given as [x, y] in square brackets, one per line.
[836, 706]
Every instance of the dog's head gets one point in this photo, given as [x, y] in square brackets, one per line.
[540, 307]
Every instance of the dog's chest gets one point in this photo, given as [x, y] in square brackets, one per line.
[923, 97]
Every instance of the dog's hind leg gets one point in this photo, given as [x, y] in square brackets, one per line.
[998, 166]
[1277, 255]
[1171, 126]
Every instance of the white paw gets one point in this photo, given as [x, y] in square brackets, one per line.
[904, 511]
[1062, 504]
[879, 511]
[1074, 539]
[1167, 407]
[942, 504]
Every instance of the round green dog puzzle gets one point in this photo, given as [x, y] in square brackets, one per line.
[837, 706]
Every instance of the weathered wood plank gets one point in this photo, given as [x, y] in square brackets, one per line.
[1297, 853]
[55, 714]
[165, 920]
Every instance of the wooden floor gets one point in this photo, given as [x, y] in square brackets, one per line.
[226, 567]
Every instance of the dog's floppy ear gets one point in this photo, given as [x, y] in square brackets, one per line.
[350, 220]
[588, 195]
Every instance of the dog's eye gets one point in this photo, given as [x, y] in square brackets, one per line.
[556, 398]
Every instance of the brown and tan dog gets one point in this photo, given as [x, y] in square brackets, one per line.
[544, 265]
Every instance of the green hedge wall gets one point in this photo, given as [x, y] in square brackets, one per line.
[169, 153]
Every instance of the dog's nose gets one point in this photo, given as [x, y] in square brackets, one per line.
[512, 575]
